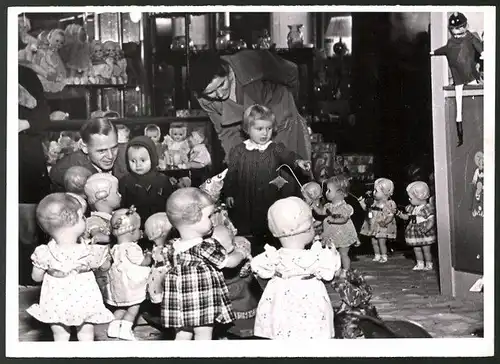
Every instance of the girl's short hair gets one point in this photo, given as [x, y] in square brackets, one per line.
[257, 112]
[185, 204]
[56, 211]
[75, 179]
[385, 185]
[341, 182]
[419, 190]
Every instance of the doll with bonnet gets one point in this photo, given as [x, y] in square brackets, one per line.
[100, 71]
[157, 227]
[420, 233]
[199, 155]
[51, 62]
[380, 223]
[295, 303]
[177, 145]
[113, 58]
[128, 274]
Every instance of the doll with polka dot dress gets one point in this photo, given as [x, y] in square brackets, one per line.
[70, 296]
[420, 232]
[128, 274]
[295, 303]
[380, 222]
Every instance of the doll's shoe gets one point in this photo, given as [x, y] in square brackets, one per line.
[126, 332]
[114, 328]
[376, 258]
[383, 259]
[419, 266]
[428, 266]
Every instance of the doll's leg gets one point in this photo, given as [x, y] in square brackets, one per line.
[458, 96]
[376, 250]
[60, 332]
[203, 332]
[127, 322]
[185, 333]
[131, 313]
[85, 332]
[344, 258]
[427, 257]
[383, 249]
[119, 313]
[419, 256]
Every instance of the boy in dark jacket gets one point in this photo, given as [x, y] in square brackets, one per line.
[144, 187]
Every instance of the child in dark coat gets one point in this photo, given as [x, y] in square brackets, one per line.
[144, 187]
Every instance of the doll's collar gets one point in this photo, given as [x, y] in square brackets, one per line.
[101, 214]
[181, 246]
[250, 145]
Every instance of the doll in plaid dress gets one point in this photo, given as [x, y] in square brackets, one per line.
[420, 232]
[196, 296]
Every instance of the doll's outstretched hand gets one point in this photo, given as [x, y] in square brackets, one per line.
[230, 202]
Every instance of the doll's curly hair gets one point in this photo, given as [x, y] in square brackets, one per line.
[75, 179]
[56, 211]
[98, 187]
[185, 205]
[341, 182]
[157, 225]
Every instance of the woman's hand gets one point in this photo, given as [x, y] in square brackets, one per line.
[230, 202]
[304, 164]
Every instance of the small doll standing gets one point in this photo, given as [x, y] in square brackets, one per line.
[295, 303]
[380, 223]
[75, 179]
[157, 227]
[70, 296]
[478, 183]
[420, 232]
[250, 190]
[153, 131]
[461, 51]
[144, 187]
[196, 296]
[128, 274]
[338, 229]
[199, 156]
[52, 62]
[177, 145]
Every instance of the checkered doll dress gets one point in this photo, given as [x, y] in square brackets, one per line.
[195, 291]
[415, 233]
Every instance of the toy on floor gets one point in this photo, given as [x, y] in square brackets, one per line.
[461, 52]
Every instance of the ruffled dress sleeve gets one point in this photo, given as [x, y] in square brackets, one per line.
[134, 254]
[322, 262]
[264, 264]
[97, 255]
[213, 252]
[41, 257]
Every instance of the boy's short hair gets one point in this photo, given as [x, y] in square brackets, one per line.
[75, 179]
[341, 182]
[185, 204]
[257, 112]
[56, 211]
[101, 126]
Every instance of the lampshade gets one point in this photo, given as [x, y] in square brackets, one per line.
[340, 26]
[135, 16]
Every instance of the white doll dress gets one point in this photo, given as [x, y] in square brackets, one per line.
[75, 299]
[127, 278]
[156, 279]
[295, 303]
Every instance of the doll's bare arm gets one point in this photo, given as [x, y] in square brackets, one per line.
[319, 208]
[37, 274]
[428, 224]
[234, 258]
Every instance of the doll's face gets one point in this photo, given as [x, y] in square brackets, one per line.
[178, 134]
[98, 52]
[57, 40]
[378, 194]
[415, 201]
[458, 32]
[123, 135]
[260, 131]
[154, 135]
[139, 160]
[479, 159]
[333, 193]
[110, 49]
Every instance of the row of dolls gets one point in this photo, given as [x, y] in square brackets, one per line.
[380, 221]
[68, 57]
[81, 271]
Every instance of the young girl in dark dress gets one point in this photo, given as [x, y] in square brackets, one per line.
[251, 189]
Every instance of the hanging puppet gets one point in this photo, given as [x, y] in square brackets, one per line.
[478, 186]
[461, 52]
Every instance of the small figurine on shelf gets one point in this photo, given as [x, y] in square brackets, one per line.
[199, 156]
[42, 45]
[295, 37]
[153, 132]
[461, 51]
[478, 182]
[100, 71]
[76, 54]
[121, 62]
[58, 115]
[264, 40]
[51, 62]
[111, 55]
[68, 141]
[177, 146]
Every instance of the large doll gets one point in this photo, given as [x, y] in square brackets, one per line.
[199, 156]
[461, 52]
[100, 71]
[52, 61]
[76, 53]
[177, 145]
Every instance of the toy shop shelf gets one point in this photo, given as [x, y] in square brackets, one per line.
[466, 87]
[101, 86]
[76, 124]
[469, 90]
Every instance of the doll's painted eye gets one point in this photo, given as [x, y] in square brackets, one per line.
[209, 181]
